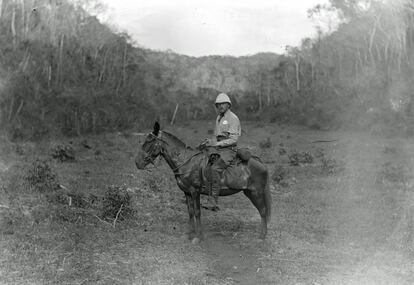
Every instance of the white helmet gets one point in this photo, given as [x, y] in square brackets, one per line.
[222, 98]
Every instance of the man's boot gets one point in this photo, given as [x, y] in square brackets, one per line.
[214, 190]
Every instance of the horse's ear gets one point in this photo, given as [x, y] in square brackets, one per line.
[156, 129]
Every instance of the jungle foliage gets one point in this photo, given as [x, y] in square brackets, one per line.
[64, 72]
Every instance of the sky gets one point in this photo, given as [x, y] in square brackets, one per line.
[213, 27]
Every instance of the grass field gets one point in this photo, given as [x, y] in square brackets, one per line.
[343, 206]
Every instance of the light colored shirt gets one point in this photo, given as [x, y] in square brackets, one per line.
[227, 127]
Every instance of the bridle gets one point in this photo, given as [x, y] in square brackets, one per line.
[159, 144]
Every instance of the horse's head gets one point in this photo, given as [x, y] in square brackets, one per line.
[152, 147]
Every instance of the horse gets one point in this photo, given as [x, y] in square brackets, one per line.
[188, 165]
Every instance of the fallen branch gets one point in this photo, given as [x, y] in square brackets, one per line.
[117, 214]
[175, 113]
[105, 222]
[322, 141]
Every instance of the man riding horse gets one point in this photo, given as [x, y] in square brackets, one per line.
[248, 174]
[221, 149]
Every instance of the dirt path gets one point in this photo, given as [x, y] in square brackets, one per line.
[363, 212]
[331, 229]
[232, 263]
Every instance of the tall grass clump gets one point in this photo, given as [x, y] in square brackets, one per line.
[117, 203]
[41, 178]
[63, 153]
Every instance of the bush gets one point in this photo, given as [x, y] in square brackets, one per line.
[279, 173]
[70, 198]
[41, 177]
[265, 144]
[63, 153]
[331, 166]
[297, 158]
[117, 203]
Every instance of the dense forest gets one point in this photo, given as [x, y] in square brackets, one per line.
[64, 72]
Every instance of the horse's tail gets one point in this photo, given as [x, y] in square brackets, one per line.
[267, 198]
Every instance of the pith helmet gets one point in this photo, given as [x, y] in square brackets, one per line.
[222, 98]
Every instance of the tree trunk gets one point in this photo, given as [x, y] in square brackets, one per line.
[22, 3]
[13, 26]
[94, 122]
[312, 72]
[49, 76]
[378, 52]
[269, 99]
[77, 124]
[103, 68]
[371, 39]
[59, 68]
[175, 113]
[11, 109]
[386, 51]
[356, 68]
[26, 59]
[340, 57]
[53, 23]
[1, 8]
[297, 63]
[360, 60]
[18, 110]
[260, 102]
[124, 64]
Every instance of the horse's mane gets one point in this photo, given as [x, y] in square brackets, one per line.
[176, 140]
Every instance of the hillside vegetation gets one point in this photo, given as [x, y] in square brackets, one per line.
[64, 72]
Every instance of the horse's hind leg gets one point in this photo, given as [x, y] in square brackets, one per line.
[190, 206]
[260, 205]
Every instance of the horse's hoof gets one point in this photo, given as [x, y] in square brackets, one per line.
[196, 240]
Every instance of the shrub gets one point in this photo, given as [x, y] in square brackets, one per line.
[265, 144]
[63, 153]
[297, 158]
[331, 166]
[41, 177]
[72, 198]
[117, 203]
[279, 173]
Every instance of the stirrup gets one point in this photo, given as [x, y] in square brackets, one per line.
[211, 206]
[214, 208]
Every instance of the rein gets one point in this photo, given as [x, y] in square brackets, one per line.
[162, 152]
[185, 162]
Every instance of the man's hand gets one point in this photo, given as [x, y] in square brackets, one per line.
[206, 143]
[210, 142]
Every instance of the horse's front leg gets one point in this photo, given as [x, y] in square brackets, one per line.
[197, 212]
[190, 207]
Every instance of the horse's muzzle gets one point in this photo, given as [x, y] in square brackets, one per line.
[141, 160]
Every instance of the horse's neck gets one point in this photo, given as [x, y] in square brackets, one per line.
[175, 157]
[176, 153]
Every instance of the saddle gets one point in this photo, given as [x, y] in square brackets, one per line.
[236, 172]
